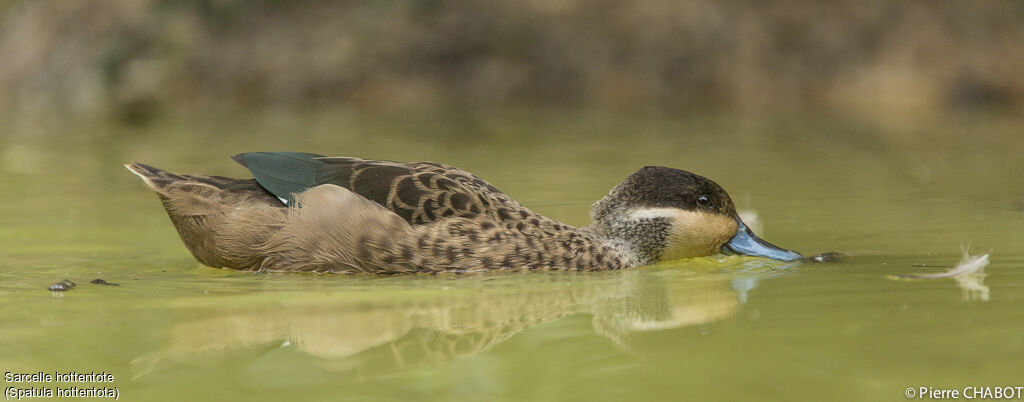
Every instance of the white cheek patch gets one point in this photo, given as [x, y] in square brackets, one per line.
[692, 233]
[285, 201]
[653, 213]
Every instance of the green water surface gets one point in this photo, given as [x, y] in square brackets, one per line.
[893, 196]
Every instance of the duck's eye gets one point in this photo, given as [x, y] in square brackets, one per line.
[704, 202]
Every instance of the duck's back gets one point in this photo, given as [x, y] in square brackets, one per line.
[418, 192]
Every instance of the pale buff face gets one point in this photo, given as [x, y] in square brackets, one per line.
[693, 233]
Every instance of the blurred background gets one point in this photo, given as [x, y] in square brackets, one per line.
[842, 106]
[132, 61]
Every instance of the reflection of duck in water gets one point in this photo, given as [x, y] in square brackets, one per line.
[409, 331]
[355, 215]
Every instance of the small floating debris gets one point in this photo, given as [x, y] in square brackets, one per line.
[99, 281]
[62, 286]
[831, 256]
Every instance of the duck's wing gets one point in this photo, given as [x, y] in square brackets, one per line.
[419, 192]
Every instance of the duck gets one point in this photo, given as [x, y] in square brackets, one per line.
[311, 213]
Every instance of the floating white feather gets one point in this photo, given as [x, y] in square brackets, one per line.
[968, 265]
[969, 275]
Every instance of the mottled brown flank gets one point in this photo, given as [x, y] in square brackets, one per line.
[389, 222]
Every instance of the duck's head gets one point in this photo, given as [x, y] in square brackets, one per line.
[661, 213]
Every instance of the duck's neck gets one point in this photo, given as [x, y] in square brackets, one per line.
[642, 241]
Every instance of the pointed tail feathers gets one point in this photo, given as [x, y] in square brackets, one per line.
[155, 178]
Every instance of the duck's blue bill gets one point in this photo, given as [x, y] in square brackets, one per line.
[747, 243]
